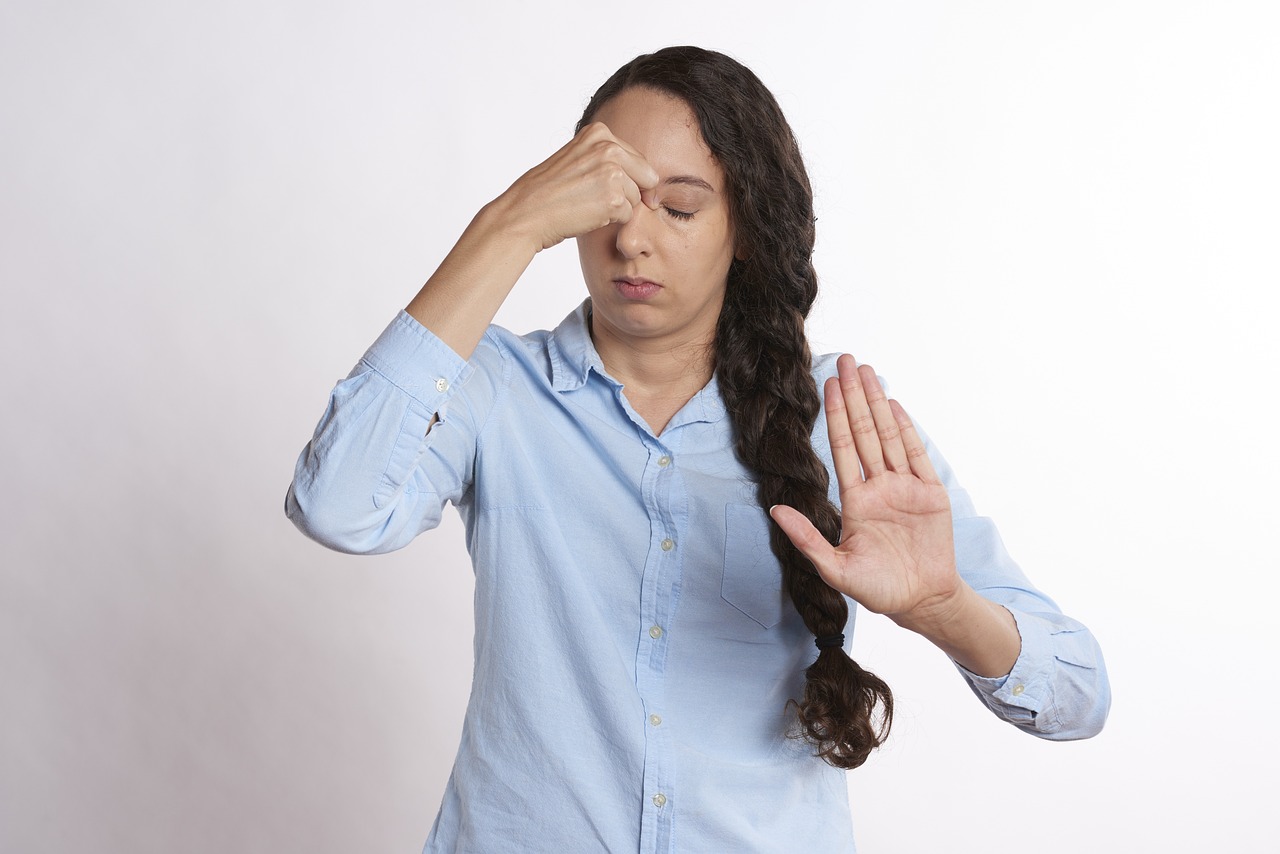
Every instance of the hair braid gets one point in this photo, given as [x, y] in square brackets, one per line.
[762, 366]
[763, 361]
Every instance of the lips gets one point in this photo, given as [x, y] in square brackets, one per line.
[636, 288]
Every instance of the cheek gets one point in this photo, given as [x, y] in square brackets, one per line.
[717, 243]
[701, 249]
[593, 247]
[710, 252]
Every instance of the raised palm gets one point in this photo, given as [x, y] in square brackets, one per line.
[896, 554]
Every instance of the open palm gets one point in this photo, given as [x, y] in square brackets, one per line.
[896, 554]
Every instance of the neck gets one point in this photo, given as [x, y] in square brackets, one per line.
[659, 376]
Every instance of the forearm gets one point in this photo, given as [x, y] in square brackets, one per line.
[460, 299]
[594, 180]
[978, 634]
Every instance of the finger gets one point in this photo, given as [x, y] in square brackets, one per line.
[632, 194]
[804, 536]
[844, 455]
[604, 145]
[861, 422]
[635, 177]
[636, 167]
[917, 454]
[895, 455]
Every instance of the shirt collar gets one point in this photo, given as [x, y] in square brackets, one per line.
[572, 352]
[573, 357]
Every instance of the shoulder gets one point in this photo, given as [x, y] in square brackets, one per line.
[823, 366]
[542, 360]
[531, 355]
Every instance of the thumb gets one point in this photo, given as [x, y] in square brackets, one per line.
[804, 536]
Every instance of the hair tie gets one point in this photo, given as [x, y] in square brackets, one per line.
[829, 641]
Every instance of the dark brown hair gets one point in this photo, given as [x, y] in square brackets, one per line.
[763, 363]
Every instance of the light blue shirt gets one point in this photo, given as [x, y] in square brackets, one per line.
[634, 653]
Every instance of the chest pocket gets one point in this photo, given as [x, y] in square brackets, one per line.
[752, 580]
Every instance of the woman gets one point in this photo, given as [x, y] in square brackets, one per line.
[645, 670]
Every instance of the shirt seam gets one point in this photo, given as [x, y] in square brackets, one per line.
[500, 395]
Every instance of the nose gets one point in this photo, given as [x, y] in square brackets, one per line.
[635, 236]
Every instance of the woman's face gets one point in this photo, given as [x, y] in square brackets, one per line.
[658, 281]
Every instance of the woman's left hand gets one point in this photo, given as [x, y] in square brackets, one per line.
[896, 554]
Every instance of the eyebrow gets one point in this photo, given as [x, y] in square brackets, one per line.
[690, 180]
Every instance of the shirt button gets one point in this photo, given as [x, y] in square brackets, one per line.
[442, 384]
[664, 461]
[655, 632]
[655, 720]
[1018, 689]
[668, 544]
[659, 800]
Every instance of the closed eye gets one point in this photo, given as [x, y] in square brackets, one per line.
[679, 214]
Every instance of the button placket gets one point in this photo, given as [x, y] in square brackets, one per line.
[666, 506]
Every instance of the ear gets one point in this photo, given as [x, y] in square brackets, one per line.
[741, 252]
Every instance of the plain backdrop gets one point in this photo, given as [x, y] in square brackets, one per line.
[1053, 227]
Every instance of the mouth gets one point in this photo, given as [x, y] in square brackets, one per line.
[636, 288]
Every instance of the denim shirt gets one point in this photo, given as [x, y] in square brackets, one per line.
[634, 651]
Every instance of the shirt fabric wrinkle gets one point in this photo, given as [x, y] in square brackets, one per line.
[634, 649]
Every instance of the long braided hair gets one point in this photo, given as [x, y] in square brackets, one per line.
[762, 360]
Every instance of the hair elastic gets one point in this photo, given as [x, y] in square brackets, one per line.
[829, 641]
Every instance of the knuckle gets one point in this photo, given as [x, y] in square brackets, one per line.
[608, 149]
[841, 442]
[889, 432]
[609, 173]
[862, 423]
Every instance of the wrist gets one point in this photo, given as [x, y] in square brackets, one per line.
[937, 615]
[502, 220]
[977, 633]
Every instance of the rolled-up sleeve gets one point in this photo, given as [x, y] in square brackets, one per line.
[395, 443]
[1058, 686]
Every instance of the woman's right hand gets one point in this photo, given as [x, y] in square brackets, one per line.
[596, 179]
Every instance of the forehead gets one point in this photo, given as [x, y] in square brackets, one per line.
[664, 130]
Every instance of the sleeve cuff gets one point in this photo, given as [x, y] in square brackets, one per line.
[417, 362]
[414, 360]
[1021, 695]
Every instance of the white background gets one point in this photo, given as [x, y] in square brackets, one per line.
[1052, 226]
